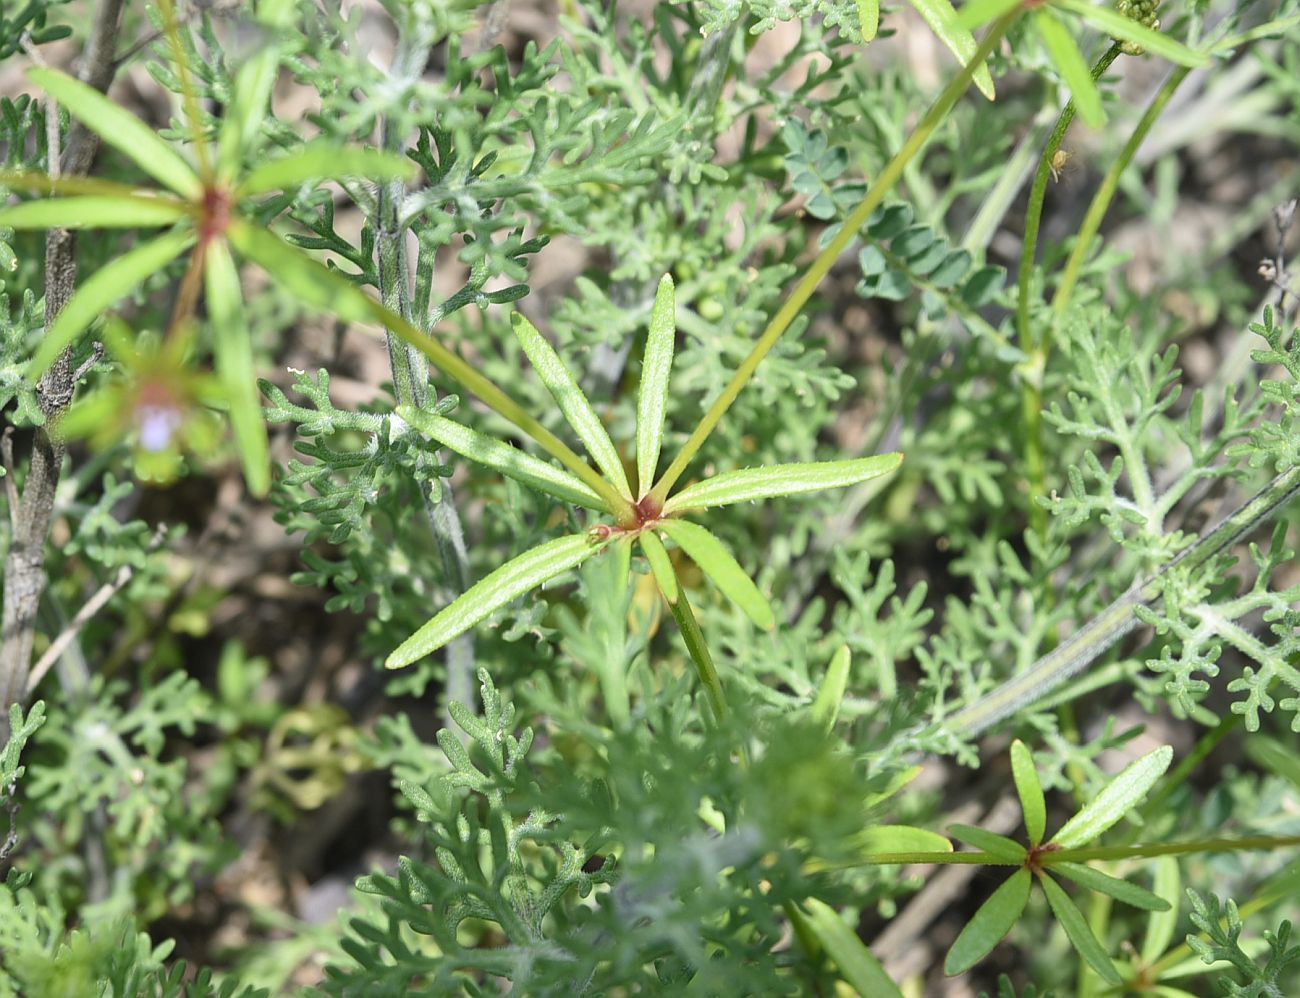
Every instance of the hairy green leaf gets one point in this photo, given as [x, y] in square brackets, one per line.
[572, 402]
[234, 356]
[1118, 26]
[1076, 928]
[122, 130]
[992, 843]
[942, 19]
[1115, 800]
[879, 839]
[503, 457]
[749, 484]
[325, 160]
[1104, 883]
[1030, 791]
[1163, 921]
[826, 707]
[103, 289]
[511, 580]
[93, 212]
[656, 367]
[989, 924]
[1069, 62]
[718, 564]
[856, 964]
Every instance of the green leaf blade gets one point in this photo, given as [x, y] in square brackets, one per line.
[1104, 883]
[233, 349]
[989, 925]
[722, 568]
[660, 565]
[1030, 792]
[656, 368]
[530, 570]
[750, 484]
[1118, 26]
[1077, 930]
[1115, 800]
[121, 130]
[856, 964]
[990, 842]
[1069, 62]
[868, 19]
[324, 160]
[503, 457]
[979, 12]
[103, 289]
[572, 401]
[943, 21]
[93, 212]
[826, 707]
[877, 840]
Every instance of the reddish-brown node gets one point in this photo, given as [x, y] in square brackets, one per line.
[215, 211]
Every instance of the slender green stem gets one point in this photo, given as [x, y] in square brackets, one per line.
[1106, 193]
[819, 268]
[699, 650]
[1035, 349]
[1089, 642]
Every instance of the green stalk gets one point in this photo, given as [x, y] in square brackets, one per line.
[819, 268]
[1106, 193]
[699, 650]
[1031, 385]
[1091, 640]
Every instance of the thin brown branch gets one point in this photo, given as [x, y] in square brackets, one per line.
[24, 581]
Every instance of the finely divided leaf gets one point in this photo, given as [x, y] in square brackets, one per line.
[572, 402]
[103, 289]
[234, 357]
[717, 563]
[856, 964]
[502, 457]
[992, 843]
[1069, 62]
[1125, 29]
[826, 708]
[325, 160]
[1104, 883]
[1076, 928]
[1030, 791]
[987, 926]
[93, 212]
[660, 564]
[749, 484]
[122, 130]
[942, 19]
[1116, 799]
[511, 580]
[656, 366]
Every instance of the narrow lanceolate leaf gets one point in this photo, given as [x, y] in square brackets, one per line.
[122, 130]
[868, 18]
[656, 366]
[749, 484]
[826, 708]
[1118, 26]
[987, 926]
[511, 580]
[253, 82]
[879, 840]
[660, 565]
[1104, 883]
[1162, 924]
[713, 557]
[93, 212]
[1068, 60]
[1076, 928]
[502, 457]
[1030, 791]
[233, 350]
[102, 290]
[992, 843]
[1116, 799]
[978, 12]
[324, 160]
[856, 964]
[942, 19]
[572, 402]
